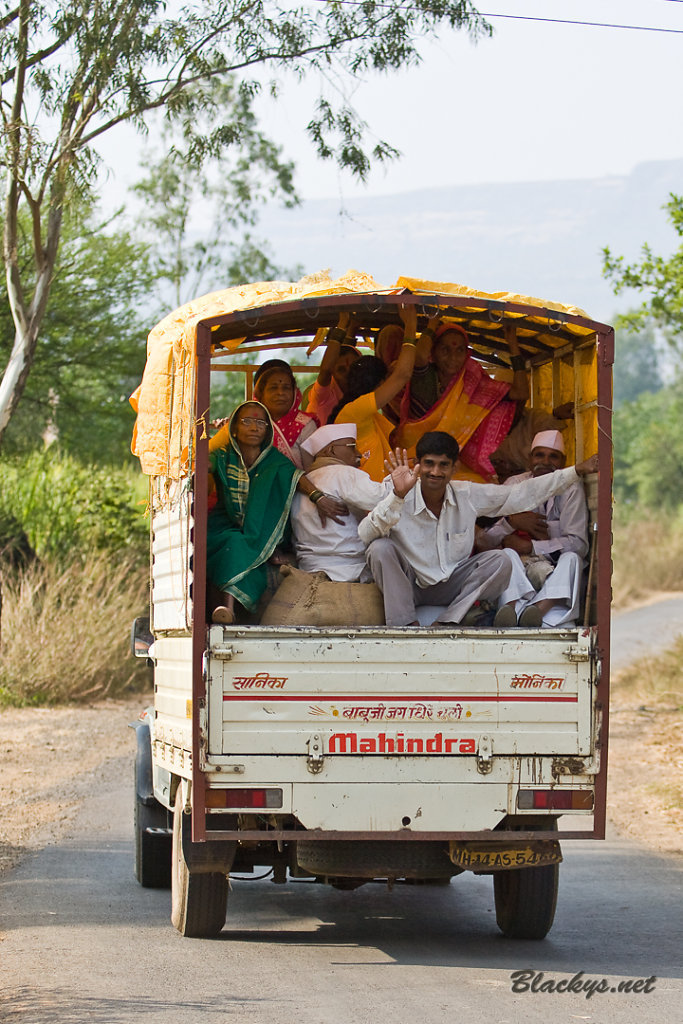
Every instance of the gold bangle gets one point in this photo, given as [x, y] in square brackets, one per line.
[412, 343]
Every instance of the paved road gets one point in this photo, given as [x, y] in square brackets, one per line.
[82, 942]
[645, 630]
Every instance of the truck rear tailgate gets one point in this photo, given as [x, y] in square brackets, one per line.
[374, 693]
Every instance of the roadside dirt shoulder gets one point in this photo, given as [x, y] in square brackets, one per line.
[51, 757]
[645, 775]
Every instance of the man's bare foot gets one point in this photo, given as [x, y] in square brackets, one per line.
[223, 616]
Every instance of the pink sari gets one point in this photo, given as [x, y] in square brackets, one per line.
[288, 428]
[473, 409]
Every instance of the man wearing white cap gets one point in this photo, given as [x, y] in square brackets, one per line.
[337, 549]
[552, 541]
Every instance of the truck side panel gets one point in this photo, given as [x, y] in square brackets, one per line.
[171, 562]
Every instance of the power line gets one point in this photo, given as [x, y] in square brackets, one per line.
[586, 24]
[549, 21]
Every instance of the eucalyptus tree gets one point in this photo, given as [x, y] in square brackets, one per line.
[73, 70]
[199, 208]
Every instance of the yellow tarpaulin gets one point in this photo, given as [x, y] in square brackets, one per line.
[164, 400]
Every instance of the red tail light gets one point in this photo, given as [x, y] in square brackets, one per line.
[555, 800]
[247, 799]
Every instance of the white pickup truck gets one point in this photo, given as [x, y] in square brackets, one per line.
[352, 754]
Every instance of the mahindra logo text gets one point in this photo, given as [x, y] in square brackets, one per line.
[352, 743]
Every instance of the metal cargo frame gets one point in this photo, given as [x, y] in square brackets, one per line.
[547, 334]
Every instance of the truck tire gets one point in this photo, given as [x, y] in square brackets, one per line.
[198, 901]
[152, 848]
[525, 901]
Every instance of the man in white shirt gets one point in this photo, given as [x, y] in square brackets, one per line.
[552, 541]
[420, 539]
[336, 550]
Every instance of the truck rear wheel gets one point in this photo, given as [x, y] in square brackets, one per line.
[525, 901]
[198, 901]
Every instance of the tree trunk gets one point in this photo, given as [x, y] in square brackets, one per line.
[23, 353]
[16, 373]
[27, 322]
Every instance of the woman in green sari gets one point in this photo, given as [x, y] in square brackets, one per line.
[255, 485]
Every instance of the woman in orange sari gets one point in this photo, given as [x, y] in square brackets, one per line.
[370, 388]
[452, 392]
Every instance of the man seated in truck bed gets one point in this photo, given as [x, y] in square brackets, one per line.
[336, 550]
[551, 539]
[420, 538]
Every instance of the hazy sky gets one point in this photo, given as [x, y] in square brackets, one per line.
[535, 102]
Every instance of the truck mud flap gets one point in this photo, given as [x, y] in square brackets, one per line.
[209, 857]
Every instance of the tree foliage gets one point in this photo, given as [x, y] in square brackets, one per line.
[69, 509]
[659, 276]
[91, 350]
[648, 450]
[200, 207]
[72, 71]
[636, 364]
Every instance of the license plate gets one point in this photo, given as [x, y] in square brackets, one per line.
[503, 856]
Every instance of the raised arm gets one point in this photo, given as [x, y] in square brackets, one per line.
[425, 342]
[503, 500]
[401, 373]
[336, 337]
[519, 389]
[384, 516]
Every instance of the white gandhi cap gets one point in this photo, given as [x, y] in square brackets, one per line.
[547, 439]
[323, 436]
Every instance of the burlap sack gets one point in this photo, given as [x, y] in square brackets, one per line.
[310, 599]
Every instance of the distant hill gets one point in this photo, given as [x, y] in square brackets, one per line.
[538, 238]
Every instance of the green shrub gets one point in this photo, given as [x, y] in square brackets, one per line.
[68, 509]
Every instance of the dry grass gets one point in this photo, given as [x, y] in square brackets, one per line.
[648, 558]
[65, 632]
[653, 683]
